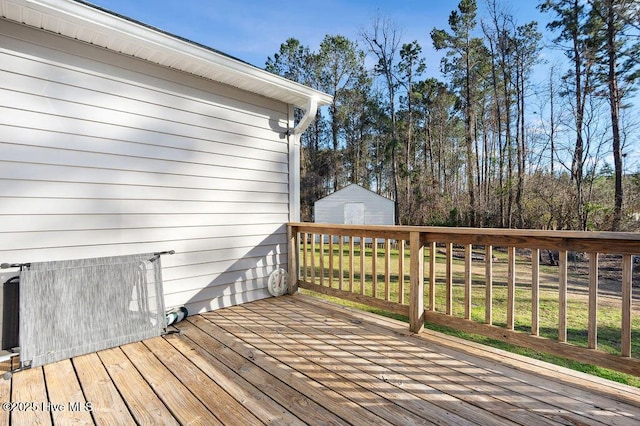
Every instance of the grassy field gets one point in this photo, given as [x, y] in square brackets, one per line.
[609, 310]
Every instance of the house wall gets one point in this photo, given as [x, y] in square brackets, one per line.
[102, 154]
[331, 209]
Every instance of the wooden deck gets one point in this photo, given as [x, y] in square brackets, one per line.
[298, 360]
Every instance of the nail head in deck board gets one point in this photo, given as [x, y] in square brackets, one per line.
[179, 400]
[261, 405]
[224, 407]
[144, 404]
[107, 404]
[260, 370]
[63, 390]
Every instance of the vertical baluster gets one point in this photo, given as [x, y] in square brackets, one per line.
[535, 292]
[627, 277]
[374, 266]
[488, 282]
[468, 253]
[321, 259]
[351, 262]
[401, 271]
[313, 258]
[363, 272]
[331, 261]
[432, 276]
[387, 269]
[305, 270]
[593, 301]
[511, 288]
[562, 297]
[341, 262]
[449, 282]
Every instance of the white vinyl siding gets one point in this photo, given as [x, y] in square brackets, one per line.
[102, 154]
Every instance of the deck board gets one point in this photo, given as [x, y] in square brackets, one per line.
[100, 391]
[143, 404]
[29, 392]
[208, 392]
[280, 381]
[454, 377]
[408, 373]
[262, 406]
[67, 402]
[379, 385]
[297, 360]
[184, 406]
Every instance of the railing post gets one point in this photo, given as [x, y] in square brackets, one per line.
[292, 258]
[416, 303]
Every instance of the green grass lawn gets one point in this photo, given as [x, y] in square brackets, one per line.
[609, 311]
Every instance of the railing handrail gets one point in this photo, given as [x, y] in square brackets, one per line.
[585, 241]
[308, 243]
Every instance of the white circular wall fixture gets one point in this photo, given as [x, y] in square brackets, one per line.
[278, 282]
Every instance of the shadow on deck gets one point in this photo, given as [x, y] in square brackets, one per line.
[299, 360]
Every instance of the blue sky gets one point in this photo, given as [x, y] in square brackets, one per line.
[253, 30]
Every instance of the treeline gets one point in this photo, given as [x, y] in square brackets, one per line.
[485, 145]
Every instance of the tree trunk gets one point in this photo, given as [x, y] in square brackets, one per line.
[614, 103]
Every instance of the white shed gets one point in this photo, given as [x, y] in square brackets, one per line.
[354, 205]
[118, 138]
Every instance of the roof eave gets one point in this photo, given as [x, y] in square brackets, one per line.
[91, 24]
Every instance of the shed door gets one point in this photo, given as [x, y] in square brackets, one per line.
[354, 213]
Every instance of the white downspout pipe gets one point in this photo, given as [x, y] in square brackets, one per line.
[293, 135]
[307, 118]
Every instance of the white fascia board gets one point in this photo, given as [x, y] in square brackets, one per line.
[89, 21]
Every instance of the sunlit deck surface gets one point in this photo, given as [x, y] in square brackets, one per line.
[298, 360]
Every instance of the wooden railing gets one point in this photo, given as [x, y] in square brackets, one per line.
[371, 265]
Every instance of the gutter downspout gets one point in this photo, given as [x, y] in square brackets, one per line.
[293, 136]
[307, 118]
